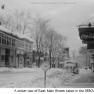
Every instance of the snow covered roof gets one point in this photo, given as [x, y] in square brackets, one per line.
[23, 36]
[16, 34]
[86, 26]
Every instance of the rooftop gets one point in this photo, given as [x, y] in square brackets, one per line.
[87, 25]
[16, 34]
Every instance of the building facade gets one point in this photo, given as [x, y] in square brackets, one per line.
[86, 33]
[14, 49]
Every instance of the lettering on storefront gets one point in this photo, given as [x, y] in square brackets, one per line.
[85, 36]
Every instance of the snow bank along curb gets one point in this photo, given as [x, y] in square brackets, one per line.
[19, 70]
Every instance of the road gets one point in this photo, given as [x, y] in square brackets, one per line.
[19, 79]
[84, 80]
[34, 78]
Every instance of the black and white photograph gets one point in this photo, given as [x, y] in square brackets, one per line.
[46, 43]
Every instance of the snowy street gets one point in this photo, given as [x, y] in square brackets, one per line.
[34, 78]
[31, 78]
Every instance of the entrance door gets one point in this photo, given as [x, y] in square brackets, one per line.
[7, 55]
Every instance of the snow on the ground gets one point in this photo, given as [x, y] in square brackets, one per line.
[34, 77]
[5, 69]
[85, 71]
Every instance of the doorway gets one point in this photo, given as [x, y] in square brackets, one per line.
[7, 57]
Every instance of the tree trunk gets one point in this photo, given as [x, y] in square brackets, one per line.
[50, 57]
[38, 60]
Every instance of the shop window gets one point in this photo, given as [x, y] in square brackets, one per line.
[2, 54]
[2, 57]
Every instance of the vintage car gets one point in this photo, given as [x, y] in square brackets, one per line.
[72, 66]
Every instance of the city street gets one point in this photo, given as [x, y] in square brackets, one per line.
[32, 78]
[47, 44]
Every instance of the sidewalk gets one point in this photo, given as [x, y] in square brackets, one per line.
[85, 79]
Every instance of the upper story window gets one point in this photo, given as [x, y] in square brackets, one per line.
[13, 42]
[3, 39]
[7, 40]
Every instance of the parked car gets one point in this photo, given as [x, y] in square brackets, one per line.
[72, 66]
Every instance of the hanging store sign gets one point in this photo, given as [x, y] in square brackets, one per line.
[87, 36]
[86, 29]
[86, 33]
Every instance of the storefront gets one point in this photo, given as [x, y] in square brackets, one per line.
[13, 48]
[86, 33]
[19, 58]
[7, 57]
[28, 59]
[7, 50]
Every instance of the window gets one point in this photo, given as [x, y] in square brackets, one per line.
[13, 42]
[2, 54]
[2, 57]
[8, 41]
[3, 39]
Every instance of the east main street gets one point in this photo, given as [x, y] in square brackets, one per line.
[34, 78]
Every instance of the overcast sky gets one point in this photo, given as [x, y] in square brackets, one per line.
[65, 15]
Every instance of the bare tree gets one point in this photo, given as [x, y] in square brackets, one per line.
[23, 21]
[55, 44]
[39, 34]
[18, 21]
[47, 40]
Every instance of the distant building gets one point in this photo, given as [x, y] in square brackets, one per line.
[86, 33]
[59, 61]
[15, 49]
